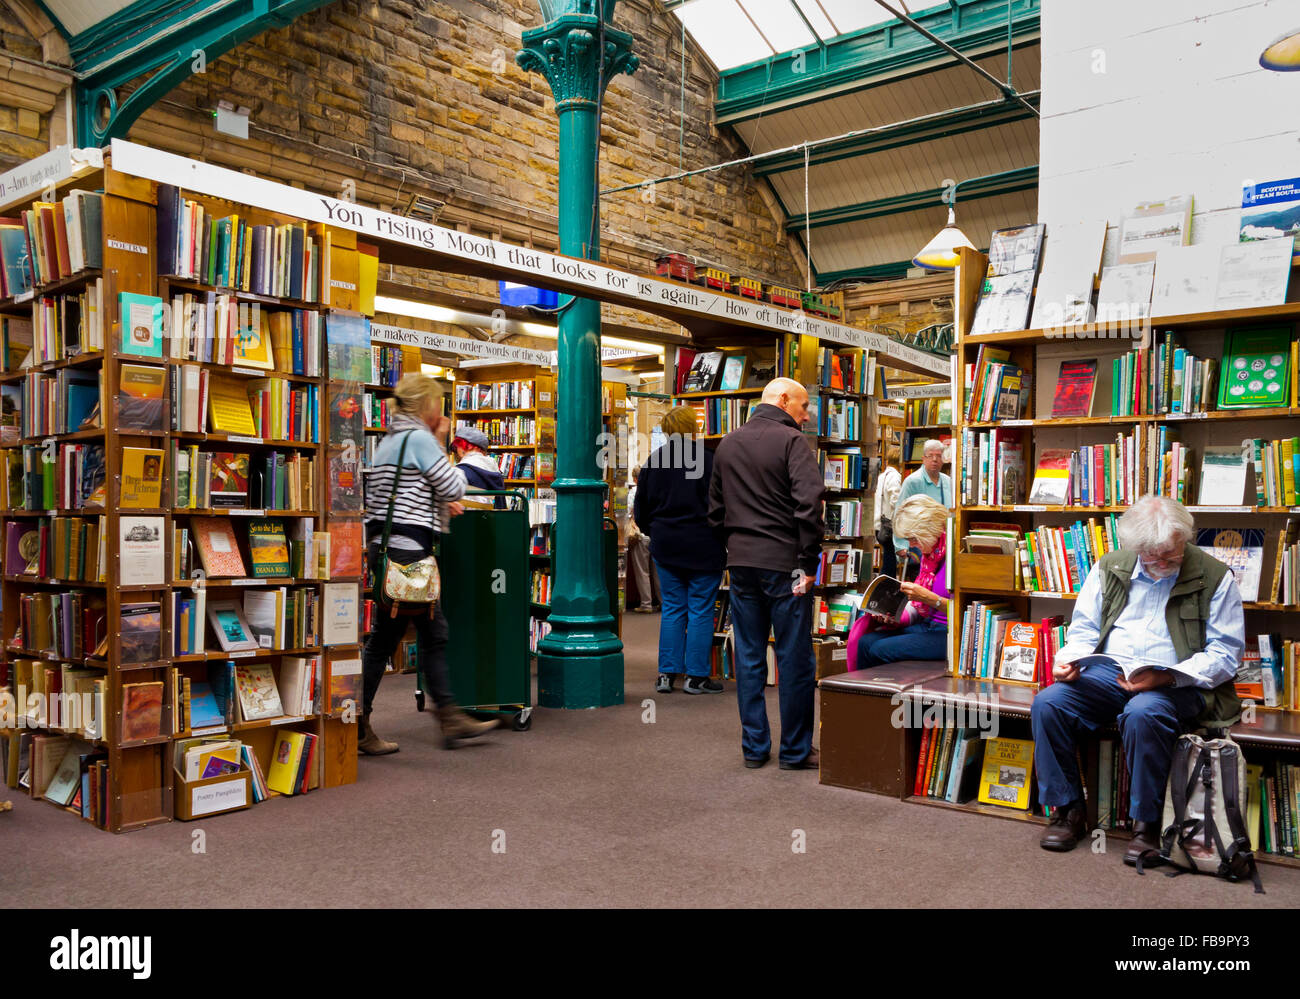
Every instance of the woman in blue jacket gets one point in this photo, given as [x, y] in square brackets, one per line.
[671, 507]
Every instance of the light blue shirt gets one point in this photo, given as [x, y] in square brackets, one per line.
[919, 483]
[1141, 633]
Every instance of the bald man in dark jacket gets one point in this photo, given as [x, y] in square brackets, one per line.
[766, 498]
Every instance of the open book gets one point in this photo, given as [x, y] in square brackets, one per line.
[1130, 667]
[885, 597]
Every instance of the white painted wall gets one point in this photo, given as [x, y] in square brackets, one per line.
[1144, 99]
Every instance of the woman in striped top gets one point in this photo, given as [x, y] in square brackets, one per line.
[427, 489]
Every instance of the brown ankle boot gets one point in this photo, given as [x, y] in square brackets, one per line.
[370, 743]
[458, 725]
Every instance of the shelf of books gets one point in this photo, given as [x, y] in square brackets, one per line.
[724, 385]
[165, 610]
[514, 405]
[1062, 428]
[924, 420]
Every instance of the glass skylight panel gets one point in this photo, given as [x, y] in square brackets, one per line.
[821, 24]
[850, 15]
[721, 28]
[780, 23]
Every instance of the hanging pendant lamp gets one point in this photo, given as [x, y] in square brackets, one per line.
[1283, 53]
[940, 254]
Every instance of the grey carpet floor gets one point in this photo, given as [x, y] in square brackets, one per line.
[590, 808]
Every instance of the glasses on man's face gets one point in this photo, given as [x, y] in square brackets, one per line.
[1162, 558]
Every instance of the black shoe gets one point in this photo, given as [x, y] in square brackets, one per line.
[701, 685]
[664, 685]
[1146, 840]
[811, 762]
[755, 764]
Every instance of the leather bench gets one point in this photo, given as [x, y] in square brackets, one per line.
[861, 748]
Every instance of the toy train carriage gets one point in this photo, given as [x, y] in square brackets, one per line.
[713, 278]
[833, 303]
[811, 303]
[749, 288]
[783, 296]
[677, 266]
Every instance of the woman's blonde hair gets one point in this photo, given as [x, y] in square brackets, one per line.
[922, 518]
[418, 395]
[680, 420]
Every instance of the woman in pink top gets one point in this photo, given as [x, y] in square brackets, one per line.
[923, 631]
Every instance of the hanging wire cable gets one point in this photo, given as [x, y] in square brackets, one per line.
[681, 119]
[807, 226]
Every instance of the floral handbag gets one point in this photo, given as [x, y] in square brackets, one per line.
[405, 588]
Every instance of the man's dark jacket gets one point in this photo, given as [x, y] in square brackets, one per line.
[766, 494]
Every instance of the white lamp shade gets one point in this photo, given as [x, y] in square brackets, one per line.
[940, 254]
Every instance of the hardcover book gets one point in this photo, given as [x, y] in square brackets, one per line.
[140, 397]
[1051, 486]
[142, 477]
[268, 548]
[1008, 764]
[228, 407]
[227, 620]
[733, 372]
[1075, 386]
[345, 685]
[228, 480]
[286, 761]
[1224, 472]
[1019, 653]
[140, 551]
[218, 547]
[1153, 225]
[704, 371]
[339, 614]
[142, 710]
[253, 340]
[141, 632]
[1256, 371]
[258, 695]
[1241, 550]
[1271, 210]
[142, 325]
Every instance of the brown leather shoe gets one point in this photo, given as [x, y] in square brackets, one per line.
[1146, 836]
[1068, 826]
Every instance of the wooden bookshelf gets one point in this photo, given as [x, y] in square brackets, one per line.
[1039, 353]
[140, 786]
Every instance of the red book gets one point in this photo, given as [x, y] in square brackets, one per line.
[1074, 389]
[918, 785]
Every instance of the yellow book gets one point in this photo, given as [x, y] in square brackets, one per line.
[1287, 476]
[1254, 774]
[228, 407]
[286, 759]
[142, 473]
[253, 347]
[1008, 767]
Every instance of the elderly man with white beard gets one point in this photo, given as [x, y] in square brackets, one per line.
[1154, 644]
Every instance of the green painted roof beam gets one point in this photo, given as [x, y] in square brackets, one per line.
[955, 122]
[874, 272]
[1006, 182]
[167, 38]
[862, 59]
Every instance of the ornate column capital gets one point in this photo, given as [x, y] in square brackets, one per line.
[567, 52]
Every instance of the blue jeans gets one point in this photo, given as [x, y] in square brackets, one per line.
[761, 601]
[922, 640]
[686, 621]
[1149, 725]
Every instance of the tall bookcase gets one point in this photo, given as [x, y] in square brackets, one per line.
[1273, 736]
[129, 781]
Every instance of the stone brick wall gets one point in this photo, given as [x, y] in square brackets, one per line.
[424, 97]
[28, 95]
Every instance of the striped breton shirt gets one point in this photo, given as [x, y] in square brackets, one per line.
[427, 483]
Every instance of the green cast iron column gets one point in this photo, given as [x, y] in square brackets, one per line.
[580, 663]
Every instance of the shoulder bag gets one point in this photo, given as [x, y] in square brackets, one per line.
[405, 588]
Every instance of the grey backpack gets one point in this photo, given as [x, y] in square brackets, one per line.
[1203, 829]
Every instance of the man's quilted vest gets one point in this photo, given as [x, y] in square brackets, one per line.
[1185, 614]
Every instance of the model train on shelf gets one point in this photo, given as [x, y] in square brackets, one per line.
[680, 267]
